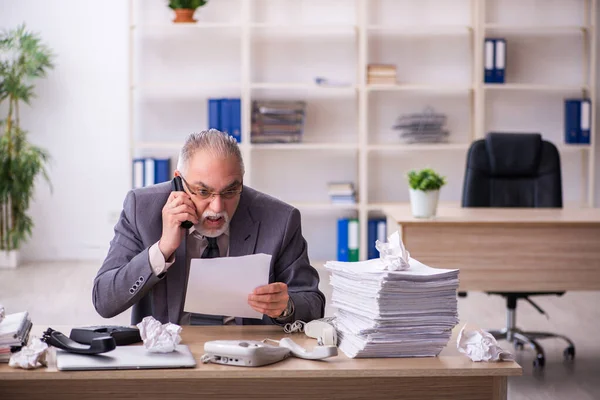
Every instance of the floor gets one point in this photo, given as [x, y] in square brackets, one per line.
[60, 294]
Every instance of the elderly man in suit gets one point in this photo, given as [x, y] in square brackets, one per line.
[149, 257]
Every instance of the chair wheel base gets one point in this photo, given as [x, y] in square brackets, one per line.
[539, 361]
[519, 346]
[569, 353]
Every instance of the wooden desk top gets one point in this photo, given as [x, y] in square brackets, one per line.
[455, 214]
[450, 362]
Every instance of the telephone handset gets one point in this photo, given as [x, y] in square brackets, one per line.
[101, 344]
[177, 186]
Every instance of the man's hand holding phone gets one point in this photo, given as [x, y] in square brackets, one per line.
[178, 208]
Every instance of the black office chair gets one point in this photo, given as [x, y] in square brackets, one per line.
[516, 170]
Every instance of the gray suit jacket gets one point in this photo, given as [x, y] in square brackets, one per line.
[261, 224]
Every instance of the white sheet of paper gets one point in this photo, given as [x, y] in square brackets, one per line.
[220, 286]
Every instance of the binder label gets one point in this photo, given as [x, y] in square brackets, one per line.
[500, 54]
[585, 115]
[489, 54]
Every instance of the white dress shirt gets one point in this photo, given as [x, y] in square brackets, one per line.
[196, 243]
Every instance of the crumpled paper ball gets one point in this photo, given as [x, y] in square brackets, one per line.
[480, 345]
[393, 254]
[158, 337]
[30, 356]
[2, 313]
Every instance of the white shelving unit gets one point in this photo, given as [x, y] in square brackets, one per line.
[272, 49]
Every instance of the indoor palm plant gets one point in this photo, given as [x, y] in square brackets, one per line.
[185, 9]
[424, 188]
[23, 58]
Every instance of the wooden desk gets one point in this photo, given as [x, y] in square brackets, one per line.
[507, 249]
[449, 376]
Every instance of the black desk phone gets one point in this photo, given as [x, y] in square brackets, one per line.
[123, 335]
[177, 186]
[92, 339]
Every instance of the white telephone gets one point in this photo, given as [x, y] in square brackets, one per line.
[243, 353]
[321, 329]
[253, 353]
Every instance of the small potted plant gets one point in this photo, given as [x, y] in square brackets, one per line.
[424, 189]
[185, 9]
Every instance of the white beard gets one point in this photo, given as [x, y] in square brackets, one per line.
[213, 232]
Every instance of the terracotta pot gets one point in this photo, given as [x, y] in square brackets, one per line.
[185, 15]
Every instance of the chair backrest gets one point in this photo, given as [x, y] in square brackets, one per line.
[512, 170]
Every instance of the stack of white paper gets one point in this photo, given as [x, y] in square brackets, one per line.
[382, 313]
[14, 333]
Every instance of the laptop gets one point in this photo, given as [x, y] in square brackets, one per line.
[125, 357]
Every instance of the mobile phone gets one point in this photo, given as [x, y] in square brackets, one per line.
[177, 186]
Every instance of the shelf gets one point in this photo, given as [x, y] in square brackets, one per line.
[538, 29]
[380, 206]
[533, 87]
[304, 86]
[270, 31]
[351, 146]
[316, 206]
[565, 147]
[421, 30]
[174, 26]
[158, 145]
[186, 86]
[441, 88]
[349, 137]
[418, 147]
[305, 146]
[302, 27]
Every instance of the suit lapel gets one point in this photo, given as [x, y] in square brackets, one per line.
[177, 279]
[243, 231]
[243, 236]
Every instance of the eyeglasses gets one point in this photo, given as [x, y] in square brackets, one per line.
[207, 194]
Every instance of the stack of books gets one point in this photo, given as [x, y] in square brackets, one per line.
[277, 121]
[424, 127]
[393, 313]
[14, 334]
[381, 74]
[341, 192]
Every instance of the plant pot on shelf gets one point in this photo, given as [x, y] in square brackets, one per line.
[424, 203]
[9, 259]
[184, 15]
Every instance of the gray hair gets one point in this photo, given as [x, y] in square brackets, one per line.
[212, 140]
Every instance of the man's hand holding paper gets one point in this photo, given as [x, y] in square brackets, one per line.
[271, 299]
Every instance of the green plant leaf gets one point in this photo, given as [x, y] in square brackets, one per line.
[425, 180]
[23, 58]
[187, 4]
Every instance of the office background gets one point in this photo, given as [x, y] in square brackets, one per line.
[82, 116]
[81, 113]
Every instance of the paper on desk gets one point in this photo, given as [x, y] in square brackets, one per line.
[157, 337]
[480, 345]
[30, 356]
[393, 254]
[220, 286]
